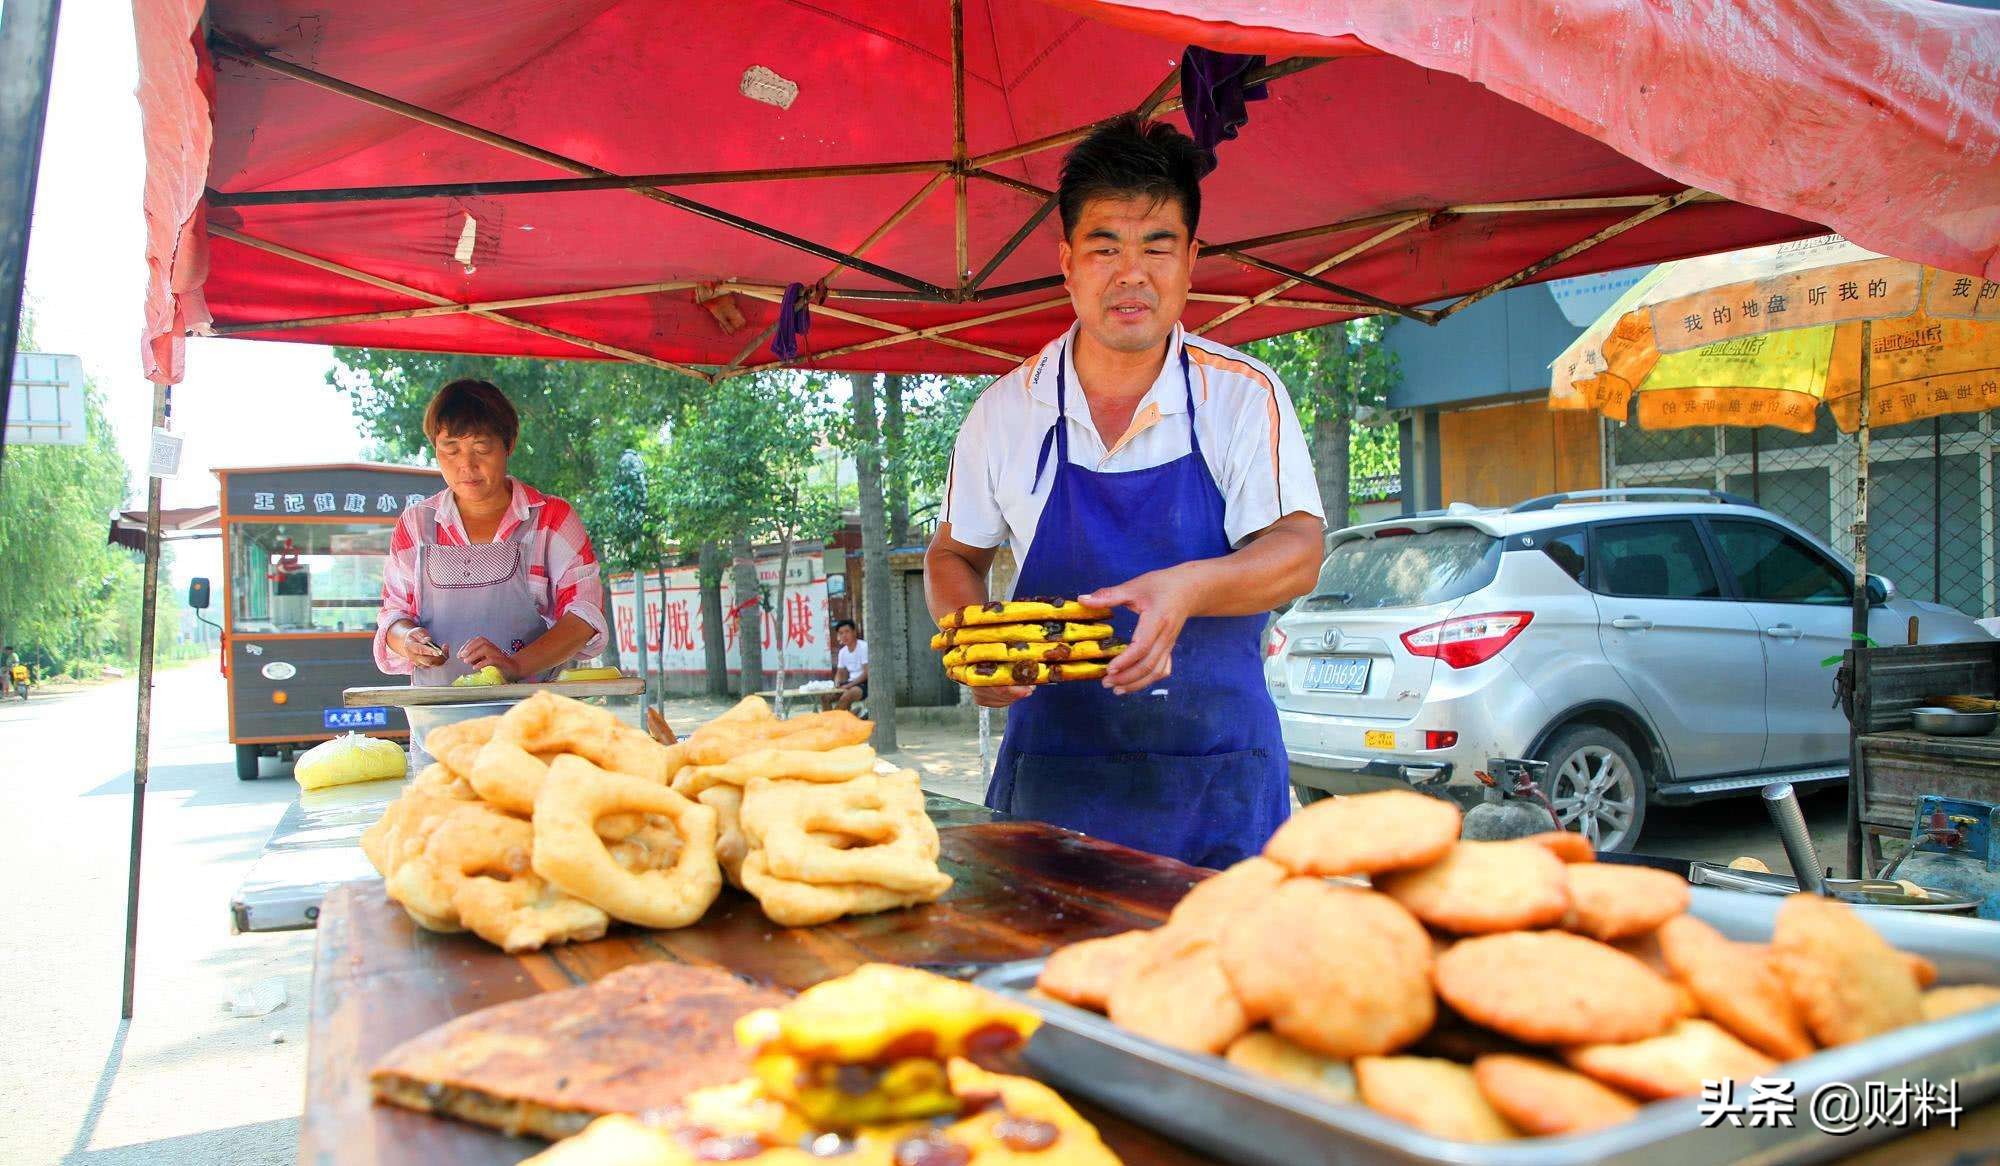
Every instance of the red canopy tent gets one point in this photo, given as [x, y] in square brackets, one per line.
[577, 179]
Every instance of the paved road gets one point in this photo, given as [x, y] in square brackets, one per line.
[184, 1082]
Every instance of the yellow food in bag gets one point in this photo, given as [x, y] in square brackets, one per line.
[480, 679]
[349, 760]
[589, 674]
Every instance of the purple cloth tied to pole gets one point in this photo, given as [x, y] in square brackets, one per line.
[794, 321]
[1215, 98]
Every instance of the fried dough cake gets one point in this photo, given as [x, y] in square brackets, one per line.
[639, 1039]
[1035, 609]
[1025, 672]
[1036, 651]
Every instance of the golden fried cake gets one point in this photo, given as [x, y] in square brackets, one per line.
[1053, 631]
[1034, 650]
[1037, 609]
[1025, 672]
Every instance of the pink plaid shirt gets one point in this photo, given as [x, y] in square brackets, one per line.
[562, 566]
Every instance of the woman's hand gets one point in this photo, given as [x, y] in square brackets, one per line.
[416, 646]
[480, 652]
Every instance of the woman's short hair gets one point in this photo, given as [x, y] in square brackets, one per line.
[472, 408]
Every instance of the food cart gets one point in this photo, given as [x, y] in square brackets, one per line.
[303, 549]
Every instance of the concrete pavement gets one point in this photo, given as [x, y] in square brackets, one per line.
[183, 1081]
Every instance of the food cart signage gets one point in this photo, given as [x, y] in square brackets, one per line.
[332, 493]
[376, 717]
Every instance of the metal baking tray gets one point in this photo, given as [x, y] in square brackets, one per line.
[1242, 1117]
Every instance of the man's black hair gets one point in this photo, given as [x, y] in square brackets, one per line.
[845, 623]
[1130, 156]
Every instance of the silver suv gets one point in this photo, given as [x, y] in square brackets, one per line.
[1649, 651]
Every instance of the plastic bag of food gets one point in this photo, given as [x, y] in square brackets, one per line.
[348, 760]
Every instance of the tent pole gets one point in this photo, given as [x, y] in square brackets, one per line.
[1271, 293]
[933, 332]
[584, 184]
[607, 293]
[1860, 630]
[1662, 206]
[962, 265]
[149, 605]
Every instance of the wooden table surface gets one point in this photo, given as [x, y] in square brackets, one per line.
[1023, 888]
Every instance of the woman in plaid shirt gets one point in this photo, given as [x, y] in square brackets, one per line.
[490, 572]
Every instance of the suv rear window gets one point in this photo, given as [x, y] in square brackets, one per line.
[1405, 570]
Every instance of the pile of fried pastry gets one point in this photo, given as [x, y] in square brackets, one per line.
[1484, 991]
[1043, 640]
[869, 1069]
[544, 824]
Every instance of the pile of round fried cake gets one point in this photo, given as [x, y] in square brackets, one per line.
[546, 823]
[1043, 640]
[1484, 991]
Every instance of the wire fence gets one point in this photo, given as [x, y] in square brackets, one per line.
[1932, 518]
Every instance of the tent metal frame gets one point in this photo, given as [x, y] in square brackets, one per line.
[960, 170]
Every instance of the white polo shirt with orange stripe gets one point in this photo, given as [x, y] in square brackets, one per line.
[1249, 431]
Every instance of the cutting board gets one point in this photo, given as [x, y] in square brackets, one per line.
[403, 695]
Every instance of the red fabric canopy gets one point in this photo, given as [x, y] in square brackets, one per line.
[1423, 155]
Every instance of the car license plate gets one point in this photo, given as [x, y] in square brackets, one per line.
[1379, 739]
[376, 717]
[1337, 674]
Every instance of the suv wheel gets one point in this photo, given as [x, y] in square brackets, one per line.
[1308, 794]
[1596, 786]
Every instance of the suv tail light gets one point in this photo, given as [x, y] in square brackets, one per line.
[1275, 645]
[1465, 640]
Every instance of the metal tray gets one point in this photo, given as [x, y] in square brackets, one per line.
[1242, 1117]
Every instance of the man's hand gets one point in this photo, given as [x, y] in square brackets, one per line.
[418, 648]
[1002, 696]
[480, 652]
[1164, 600]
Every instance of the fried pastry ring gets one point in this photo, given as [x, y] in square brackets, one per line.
[471, 841]
[507, 776]
[731, 847]
[1025, 672]
[457, 744]
[569, 852]
[790, 903]
[848, 761]
[718, 742]
[436, 780]
[1037, 609]
[1037, 650]
[526, 913]
[791, 822]
[549, 724]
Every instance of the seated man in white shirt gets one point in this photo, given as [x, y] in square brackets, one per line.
[850, 665]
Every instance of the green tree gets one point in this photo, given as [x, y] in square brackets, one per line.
[63, 588]
[578, 417]
[739, 468]
[1333, 371]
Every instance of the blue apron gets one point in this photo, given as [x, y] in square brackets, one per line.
[1194, 769]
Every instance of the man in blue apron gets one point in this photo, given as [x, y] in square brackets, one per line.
[1142, 468]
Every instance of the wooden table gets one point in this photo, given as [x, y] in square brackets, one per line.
[1023, 888]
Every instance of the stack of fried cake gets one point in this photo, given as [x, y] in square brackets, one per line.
[1025, 641]
[869, 1069]
[807, 823]
[544, 824]
[1485, 991]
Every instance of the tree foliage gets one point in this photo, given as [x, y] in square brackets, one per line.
[65, 593]
[1338, 373]
[578, 420]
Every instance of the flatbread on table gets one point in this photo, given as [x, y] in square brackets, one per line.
[639, 1039]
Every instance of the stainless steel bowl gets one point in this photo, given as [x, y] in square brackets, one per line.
[1942, 722]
